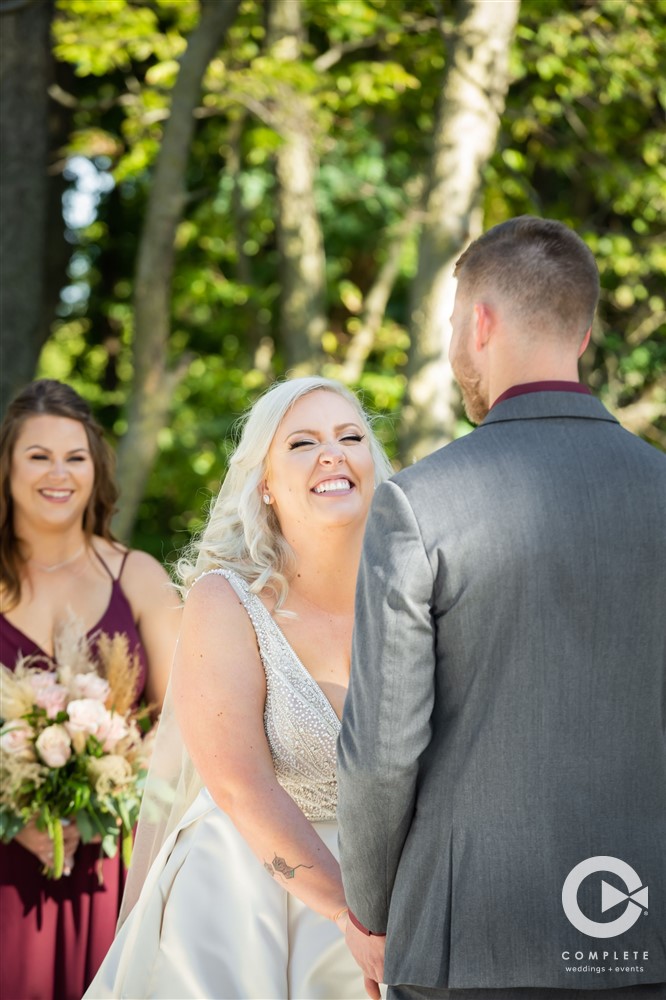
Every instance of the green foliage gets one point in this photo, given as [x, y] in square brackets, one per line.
[582, 139]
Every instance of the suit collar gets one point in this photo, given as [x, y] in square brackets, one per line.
[542, 405]
[547, 385]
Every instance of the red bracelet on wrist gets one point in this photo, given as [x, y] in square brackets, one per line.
[359, 926]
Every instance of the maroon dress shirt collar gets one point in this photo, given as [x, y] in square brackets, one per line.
[551, 386]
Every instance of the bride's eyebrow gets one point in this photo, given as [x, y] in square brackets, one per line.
[340, 427]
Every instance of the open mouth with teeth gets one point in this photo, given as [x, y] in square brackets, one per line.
[334, 487]
[58, 495]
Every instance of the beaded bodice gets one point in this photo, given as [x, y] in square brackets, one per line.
[301, 725]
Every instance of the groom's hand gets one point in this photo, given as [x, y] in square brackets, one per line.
[372, 988]
[369, 954]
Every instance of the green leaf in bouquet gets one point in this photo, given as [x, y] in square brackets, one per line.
[81, 798]
[10, 825]
[124, 813]
[94, 747]
[43, 817]
[134, 808]
[85, 826]
[106, 826]
[110, 843]
[109, 805]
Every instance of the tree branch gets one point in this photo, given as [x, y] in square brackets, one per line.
[153, 383]
[376, 300]
[328, 59]
[646, 328]
[642, 417]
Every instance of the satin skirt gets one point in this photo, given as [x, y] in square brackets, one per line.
[212, 924]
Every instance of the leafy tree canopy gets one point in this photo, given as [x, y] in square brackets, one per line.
[582, 139]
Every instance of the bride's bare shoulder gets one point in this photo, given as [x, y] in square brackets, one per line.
[212, 585]
[213, 608]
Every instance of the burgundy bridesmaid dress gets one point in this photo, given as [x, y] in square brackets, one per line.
[54, 934]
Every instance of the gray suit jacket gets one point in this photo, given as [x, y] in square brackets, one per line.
[506, 713]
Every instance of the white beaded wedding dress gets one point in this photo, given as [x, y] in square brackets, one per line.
[210, 923]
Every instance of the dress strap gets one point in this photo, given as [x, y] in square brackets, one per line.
[115, 579]
[122, 565]
[237, 582]
[102, 562]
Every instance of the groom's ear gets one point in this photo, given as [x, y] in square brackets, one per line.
[584, 343]
[484, 324]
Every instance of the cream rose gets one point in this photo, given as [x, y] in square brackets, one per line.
[91, 686]
[54, 746]
[112, 731]
[86, 715]
[16, 739]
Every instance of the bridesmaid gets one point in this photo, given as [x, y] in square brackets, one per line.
[57, 496]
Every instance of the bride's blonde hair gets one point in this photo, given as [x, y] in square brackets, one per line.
[242, 533]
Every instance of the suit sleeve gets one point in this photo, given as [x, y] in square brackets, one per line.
[386, 721]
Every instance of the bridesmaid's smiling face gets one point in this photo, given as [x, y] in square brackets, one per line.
[319, 468]
[52, 472]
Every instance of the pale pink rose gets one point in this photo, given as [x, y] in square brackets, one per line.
[16, 739]
[86, 715]
[48, 693]
[91, 686]
[54, 746]
[42, 680]
[110, 732]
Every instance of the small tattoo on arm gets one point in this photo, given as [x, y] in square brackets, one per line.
[281, 867]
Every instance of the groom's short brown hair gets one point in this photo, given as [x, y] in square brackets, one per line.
[541, 267]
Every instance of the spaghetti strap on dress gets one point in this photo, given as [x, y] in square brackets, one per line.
[116, 579]
[210, 922]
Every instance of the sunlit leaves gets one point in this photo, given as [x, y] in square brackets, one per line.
[583, 139]
[107, 35]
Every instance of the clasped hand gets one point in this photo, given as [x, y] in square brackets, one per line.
[368, 952]
[40, 844]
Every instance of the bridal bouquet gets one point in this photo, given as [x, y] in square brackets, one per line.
[72, 747]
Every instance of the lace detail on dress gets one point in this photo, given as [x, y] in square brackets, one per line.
[301, 725]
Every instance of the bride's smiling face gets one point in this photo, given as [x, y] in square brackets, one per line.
[319, 468]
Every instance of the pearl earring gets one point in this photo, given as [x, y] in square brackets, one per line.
[267, 498]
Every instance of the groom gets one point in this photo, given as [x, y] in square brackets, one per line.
[502, 767]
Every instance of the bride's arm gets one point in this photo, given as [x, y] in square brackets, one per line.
[219, 689]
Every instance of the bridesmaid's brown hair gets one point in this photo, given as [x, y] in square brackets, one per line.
[51, 398]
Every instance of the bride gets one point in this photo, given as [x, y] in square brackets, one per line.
[244, 897]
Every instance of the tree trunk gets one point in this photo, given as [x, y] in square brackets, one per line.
[300, 241]
[154, 382]
[472, 100]
[25, 75]
[377, 298]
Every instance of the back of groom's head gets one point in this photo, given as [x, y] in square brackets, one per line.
[540, 268]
